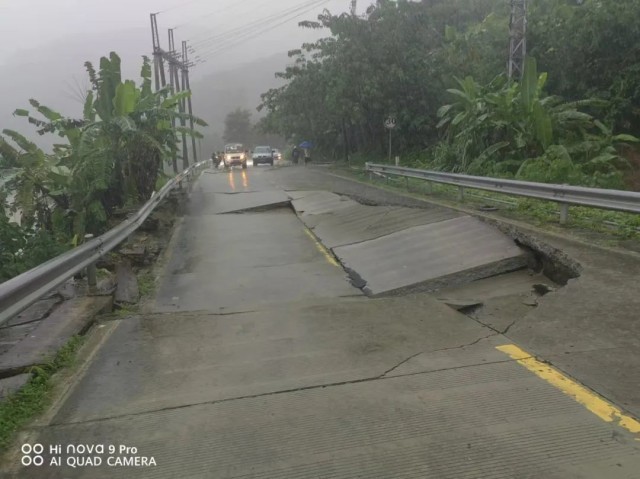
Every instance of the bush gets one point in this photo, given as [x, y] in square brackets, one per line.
[22, 249]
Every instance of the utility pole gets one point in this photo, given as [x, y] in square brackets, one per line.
[177, 83]
[172, 87]
[176, 65]
[517, 38]
[187, 86]
[158, 64]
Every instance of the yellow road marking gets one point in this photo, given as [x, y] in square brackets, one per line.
[594, 403]
[322, 249]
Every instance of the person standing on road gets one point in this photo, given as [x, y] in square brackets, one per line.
[307, 156]
[295, 154]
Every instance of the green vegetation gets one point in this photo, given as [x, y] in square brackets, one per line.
[438, 67]
[111, 158]
[146, 283]
[612, 226]
[19, 408]
[22, 249]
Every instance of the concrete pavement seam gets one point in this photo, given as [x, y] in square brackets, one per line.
[274, 393]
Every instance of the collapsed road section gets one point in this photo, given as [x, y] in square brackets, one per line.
[395, 250]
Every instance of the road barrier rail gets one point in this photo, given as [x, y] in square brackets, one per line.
[564, 195]
[20, 292]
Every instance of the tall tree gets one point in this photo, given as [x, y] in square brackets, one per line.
[237, 127]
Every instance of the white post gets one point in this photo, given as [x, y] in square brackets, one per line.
[564, 213]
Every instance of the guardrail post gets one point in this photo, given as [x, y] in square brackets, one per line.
[429, 188]
[564, 213]
[92, 273]
[461, 194]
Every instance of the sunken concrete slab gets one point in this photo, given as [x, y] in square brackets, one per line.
[425, 258]
[13, 384]
[243, 202]
[18, 327]
[516, 282]
[319, 203]
[70, 318]
[359, 223]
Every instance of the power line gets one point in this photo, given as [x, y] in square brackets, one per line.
[215, 12]
[250, 34]
[179, 6]
[257, 23]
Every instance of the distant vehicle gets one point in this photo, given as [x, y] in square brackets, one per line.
[277, 154]
[234, 155]
[263, 154]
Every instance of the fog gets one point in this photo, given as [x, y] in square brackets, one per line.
[44, 44]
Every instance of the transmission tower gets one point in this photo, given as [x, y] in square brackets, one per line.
[517, 38]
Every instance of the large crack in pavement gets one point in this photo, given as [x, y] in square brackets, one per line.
[462, 346]
[496, 331]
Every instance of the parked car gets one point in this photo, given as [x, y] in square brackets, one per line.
[263, 154]
[235, 154]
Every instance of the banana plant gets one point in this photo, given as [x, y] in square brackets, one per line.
[112, 155]
[505, 125]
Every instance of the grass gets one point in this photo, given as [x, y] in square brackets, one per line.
[146, 283]
[161, 181]
[21, 407]
[616, 225]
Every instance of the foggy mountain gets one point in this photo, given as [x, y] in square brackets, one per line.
[217, 94]
[55, 75]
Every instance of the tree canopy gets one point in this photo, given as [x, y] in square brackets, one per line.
[409, 59]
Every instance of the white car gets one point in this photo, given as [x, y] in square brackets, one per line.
[235, 155]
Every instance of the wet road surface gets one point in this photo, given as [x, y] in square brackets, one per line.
[260, 359]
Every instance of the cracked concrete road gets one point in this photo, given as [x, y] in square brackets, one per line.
[260, 360]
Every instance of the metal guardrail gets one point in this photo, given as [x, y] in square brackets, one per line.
[564, 195]
[18, 293]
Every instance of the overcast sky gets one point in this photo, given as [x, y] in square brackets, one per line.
[45, 43]
[28, 24]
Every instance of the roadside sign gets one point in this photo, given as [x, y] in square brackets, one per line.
[390, 123]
